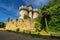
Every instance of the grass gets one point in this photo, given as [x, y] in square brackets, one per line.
[38, 34]
[56, 34]
[41, 33]
[45, 33]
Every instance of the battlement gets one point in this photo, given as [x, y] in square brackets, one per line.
[23, 7]
[33, 13]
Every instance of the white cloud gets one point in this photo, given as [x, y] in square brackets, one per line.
[36, 3]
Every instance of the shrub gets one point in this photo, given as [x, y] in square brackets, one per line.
[27, 31]
[17, 30]
[26, 16]
[37, 25]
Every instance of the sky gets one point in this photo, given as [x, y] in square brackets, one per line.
[10, 8]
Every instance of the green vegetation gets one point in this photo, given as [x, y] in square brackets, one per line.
[26, 16]
[55, 34]
[27, 31]
[49, 17]
[2, 25]
[17, 30]
[37, 26]
[54, 24]
[48, 20]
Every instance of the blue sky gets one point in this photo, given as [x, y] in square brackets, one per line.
[10, 8]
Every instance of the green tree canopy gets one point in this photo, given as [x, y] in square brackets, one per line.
[2, 25]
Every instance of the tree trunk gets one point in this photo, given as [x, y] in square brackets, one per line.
[46, 24]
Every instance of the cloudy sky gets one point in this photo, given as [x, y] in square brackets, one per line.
[10, 8]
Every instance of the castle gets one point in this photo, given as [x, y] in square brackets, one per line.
[21, 23]
[33, 13]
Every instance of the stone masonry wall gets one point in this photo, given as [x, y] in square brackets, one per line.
[25, 24]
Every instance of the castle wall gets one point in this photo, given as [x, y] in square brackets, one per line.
[11, 25]
[21, 24]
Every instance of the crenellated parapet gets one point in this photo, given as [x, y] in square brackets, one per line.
[33, 13]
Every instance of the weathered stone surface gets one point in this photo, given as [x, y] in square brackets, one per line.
[25, 24]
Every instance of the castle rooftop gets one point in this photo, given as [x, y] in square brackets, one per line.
[35, 9]
[22, 7]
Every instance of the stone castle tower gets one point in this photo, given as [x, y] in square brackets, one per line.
[33, 13]
[24, 24]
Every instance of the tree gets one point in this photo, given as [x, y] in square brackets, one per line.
[46, 17]
[54, 12]
[53, 2]
[2, 25]
[48, 11]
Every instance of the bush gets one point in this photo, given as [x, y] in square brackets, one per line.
[27, 31]
[17, 30]
[2, 25]
[37, 26]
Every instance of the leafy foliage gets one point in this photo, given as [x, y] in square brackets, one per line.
[53, 15]
[17, 30]
[2, 25]
[53, 2]
[38, 24]
[26, 16]
[54, 23]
